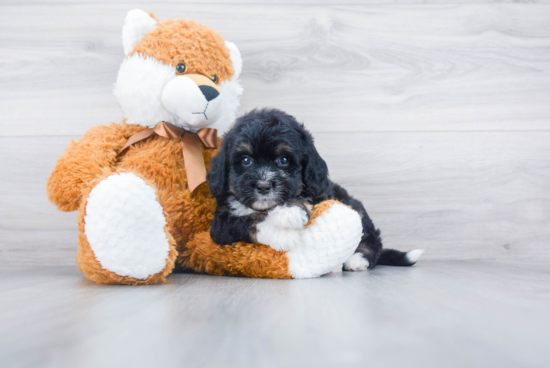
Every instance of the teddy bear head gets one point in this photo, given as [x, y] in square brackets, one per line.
[177, 71]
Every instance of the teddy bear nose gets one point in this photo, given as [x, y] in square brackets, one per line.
[209, 93]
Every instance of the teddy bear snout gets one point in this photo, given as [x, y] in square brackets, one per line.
[209, 92]
[193, 99]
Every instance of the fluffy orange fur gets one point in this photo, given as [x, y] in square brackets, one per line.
[159, 162]
[202, 50]
[240, 259]
[93, 270]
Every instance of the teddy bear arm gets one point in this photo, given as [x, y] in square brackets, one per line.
[330, 238]
[92, 156]
[203, 255]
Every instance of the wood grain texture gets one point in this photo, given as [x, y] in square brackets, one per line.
[466, 195]
[457, 195]
[432, 315]
[436, 116]
[341, 68]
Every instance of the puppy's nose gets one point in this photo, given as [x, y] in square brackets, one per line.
[209, 92]
[263, 187]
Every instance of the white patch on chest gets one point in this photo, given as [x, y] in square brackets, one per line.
[238, 209]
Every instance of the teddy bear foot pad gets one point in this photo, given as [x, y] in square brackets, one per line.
[125, 227]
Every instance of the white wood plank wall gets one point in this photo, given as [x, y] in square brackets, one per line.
[437, 116]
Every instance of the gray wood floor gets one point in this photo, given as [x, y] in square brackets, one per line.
[436, 314]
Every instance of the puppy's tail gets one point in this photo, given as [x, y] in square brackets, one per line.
[392, 257]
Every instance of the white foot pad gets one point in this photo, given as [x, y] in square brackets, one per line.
[327, 244]
[356, 263]
[124, 225]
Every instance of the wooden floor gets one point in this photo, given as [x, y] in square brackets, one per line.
[435, 314]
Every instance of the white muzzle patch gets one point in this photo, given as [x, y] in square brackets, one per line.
[198, 106]
[149, 91]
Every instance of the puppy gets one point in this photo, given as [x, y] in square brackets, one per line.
[267, 177]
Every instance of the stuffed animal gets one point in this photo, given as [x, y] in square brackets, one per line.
[139, 186]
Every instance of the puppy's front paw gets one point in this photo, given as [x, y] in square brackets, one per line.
[288, 217]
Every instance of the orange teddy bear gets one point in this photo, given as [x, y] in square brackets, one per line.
[144, 208]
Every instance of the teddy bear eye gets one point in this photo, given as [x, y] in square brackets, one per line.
[214, 78]
[180, 68]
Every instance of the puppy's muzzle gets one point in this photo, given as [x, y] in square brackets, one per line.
[264, 187]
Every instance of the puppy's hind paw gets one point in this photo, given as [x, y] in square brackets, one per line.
[356, 263]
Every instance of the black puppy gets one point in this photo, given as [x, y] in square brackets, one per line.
[268, 166]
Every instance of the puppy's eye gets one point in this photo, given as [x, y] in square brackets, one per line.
[181, 68]
[283, 161]
[246, 161]
[214, 78]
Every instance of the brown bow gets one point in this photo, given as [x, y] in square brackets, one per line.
[190, 144]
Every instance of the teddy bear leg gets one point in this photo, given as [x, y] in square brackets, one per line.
[123, 236]
[330, 238]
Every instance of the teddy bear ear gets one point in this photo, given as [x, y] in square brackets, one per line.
[136, 25]
[236, 59]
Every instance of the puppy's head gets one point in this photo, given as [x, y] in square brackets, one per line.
[266, 159]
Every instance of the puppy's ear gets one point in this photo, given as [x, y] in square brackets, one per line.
[218, 174]
[315, 170]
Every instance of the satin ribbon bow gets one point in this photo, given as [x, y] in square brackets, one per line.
[190, 147]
